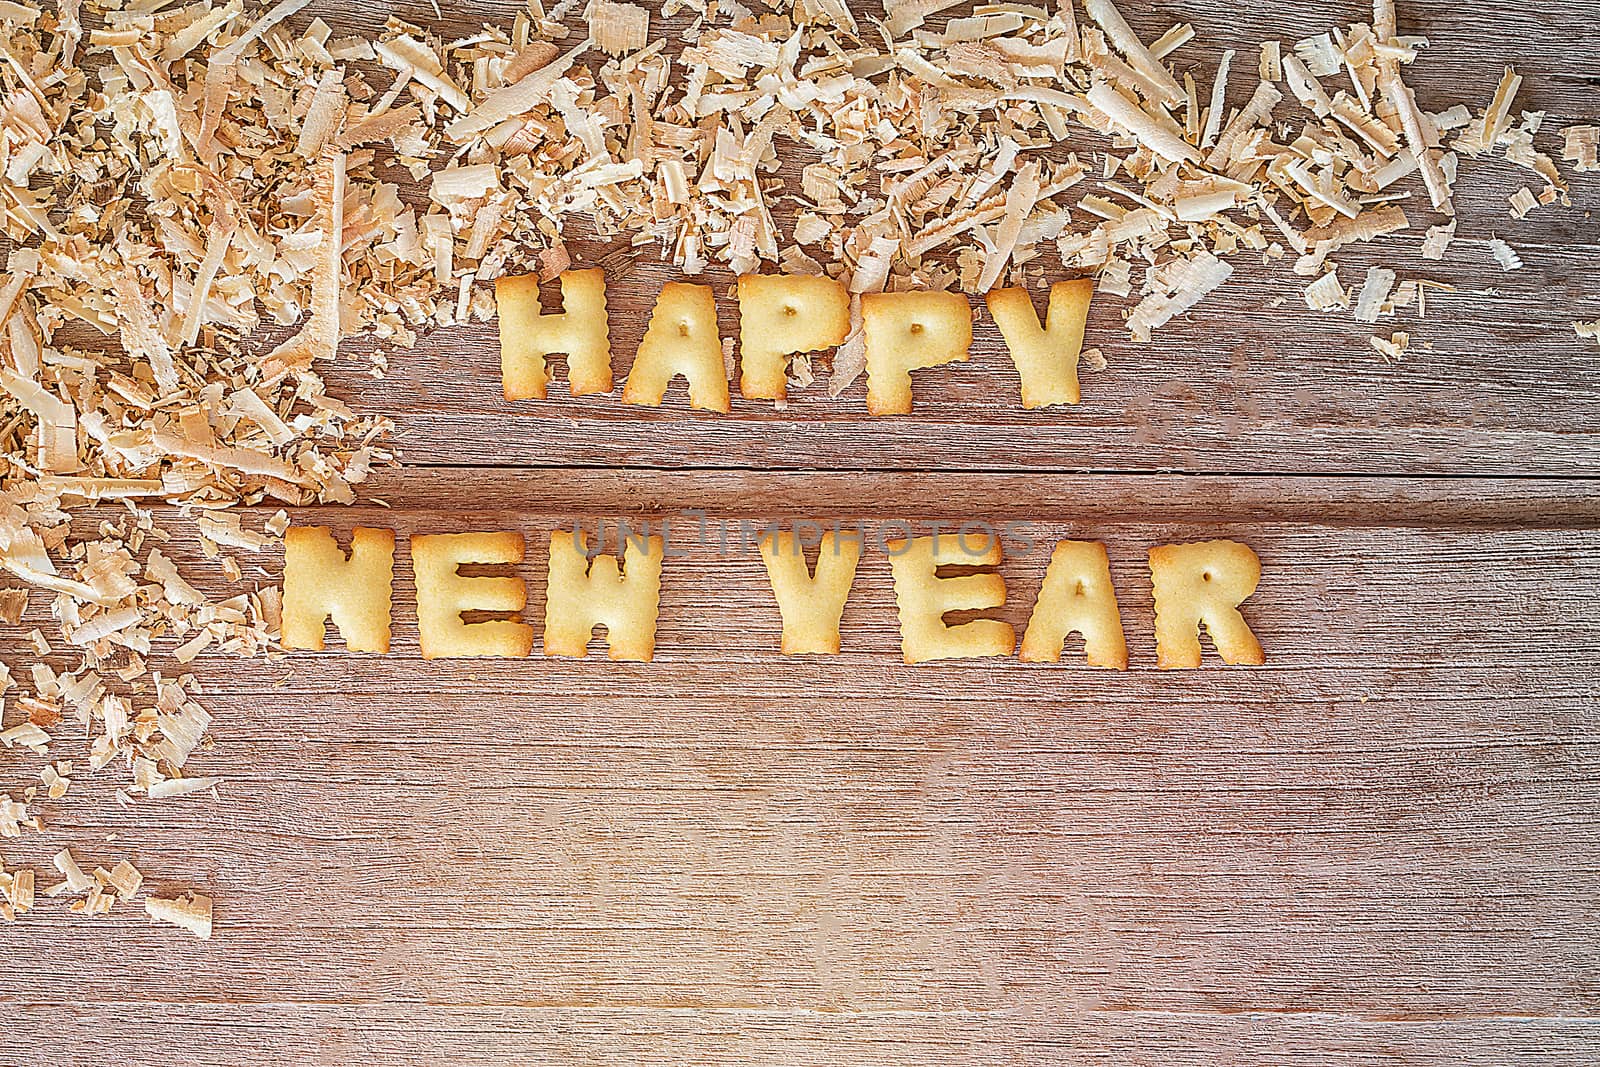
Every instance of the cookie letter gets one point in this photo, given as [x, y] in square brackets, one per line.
[907, 332]
[586, 593]
[811, 605]
[681, 339]
[779, 316]
[579, 331]
[1047, 356]
[443, 594]
[1203, 583]
[1077, 597]
[924, 598]
[319, 581]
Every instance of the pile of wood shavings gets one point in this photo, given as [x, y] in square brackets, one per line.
[175, 182]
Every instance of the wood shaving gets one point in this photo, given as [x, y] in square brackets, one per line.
[1438, 240]
[1581, 147]
[1190, 283]
[1122, 37]
[125, 879]
[16, 892]
[1375, 291]
[1326, 293]
[1392, 347]
[76, 880]
[191, 912]
[617, 29]
[1504, 255]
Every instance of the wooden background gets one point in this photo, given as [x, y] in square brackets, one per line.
[1380, 848]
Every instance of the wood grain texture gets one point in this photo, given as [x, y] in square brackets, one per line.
[1252, 381]
[1496, 384]
[1378, 849]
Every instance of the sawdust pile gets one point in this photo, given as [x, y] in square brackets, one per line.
[203, 201]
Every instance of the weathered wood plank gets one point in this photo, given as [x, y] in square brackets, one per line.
[1251, 381]
[1375, 847]
[1376, 573]
[423, 1035]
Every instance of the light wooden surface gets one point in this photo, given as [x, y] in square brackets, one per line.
[1380, 848]
[1497, 383]
[1377, 849]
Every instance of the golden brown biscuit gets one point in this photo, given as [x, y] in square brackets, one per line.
[1203, 584]
[1077, 597]
[585, 593]
[906, 332]
[781, 315]
[1046, 356]
[681, 339]
[528, 336]
[924, 598]
[319, 582]
[443, 594]
[811, 604]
